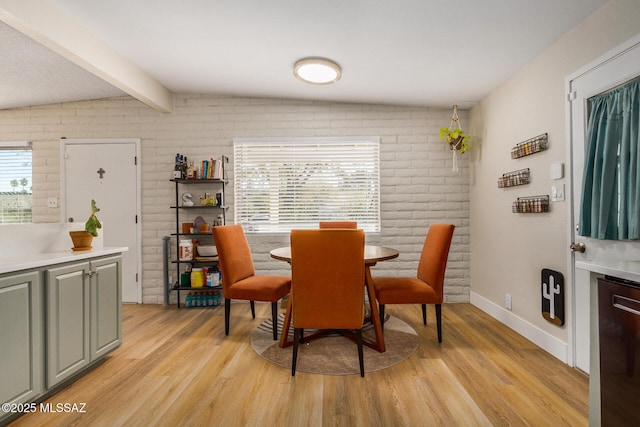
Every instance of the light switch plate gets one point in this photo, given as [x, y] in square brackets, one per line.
[52, 202]
[557, 171]
[557, 193]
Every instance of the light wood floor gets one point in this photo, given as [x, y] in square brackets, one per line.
[176, 367]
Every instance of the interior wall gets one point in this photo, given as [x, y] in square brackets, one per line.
[508, 250]
[418, 187]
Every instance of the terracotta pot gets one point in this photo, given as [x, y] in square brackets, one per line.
[81, 240]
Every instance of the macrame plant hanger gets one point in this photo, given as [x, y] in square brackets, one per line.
[455, 145]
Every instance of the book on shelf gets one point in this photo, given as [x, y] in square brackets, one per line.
[208, 169]
[212, 168]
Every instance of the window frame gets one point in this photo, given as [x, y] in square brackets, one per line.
[300, 153]
[20, 199]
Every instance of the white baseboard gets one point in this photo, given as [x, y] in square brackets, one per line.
[547, 342]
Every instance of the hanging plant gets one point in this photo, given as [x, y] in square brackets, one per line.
[455, 137]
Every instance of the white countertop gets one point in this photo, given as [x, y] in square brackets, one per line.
[26, 262]
[629, 270]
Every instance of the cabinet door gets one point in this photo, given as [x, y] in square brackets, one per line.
[106, 306]
[21, 356]
[67, 324]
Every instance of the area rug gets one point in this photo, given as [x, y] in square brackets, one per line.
[335, 354]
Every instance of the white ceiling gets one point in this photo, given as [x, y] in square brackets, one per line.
[405, 52]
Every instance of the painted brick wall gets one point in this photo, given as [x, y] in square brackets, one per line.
[417, 185]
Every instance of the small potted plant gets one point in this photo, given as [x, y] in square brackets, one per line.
[456, 139]
[82, 239]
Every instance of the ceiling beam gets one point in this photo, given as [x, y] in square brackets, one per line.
[47, 24]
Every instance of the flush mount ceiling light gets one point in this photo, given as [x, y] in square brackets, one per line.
[319, 71]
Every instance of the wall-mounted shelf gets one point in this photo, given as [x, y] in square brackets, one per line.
[531, 204]
[511, 179]
[530, 146]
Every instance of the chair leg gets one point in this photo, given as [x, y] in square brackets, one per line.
[360, 354]
[424, 313]
[439, 321]
[381, 311]
[301, 335]
[294, 360]
[253, 309]
[227, 310]
[274, 317]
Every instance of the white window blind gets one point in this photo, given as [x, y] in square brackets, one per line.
[294, 183]
[15, 182]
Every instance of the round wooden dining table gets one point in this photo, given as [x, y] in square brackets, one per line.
[372, 255]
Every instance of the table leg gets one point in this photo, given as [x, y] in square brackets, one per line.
[285, 326]
[375, 315]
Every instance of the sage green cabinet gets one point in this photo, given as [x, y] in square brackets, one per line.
[83, 315]
[21, 355]
[67, 323]
[106, 306]
[56, 320]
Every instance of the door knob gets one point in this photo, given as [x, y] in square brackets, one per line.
[578, 247]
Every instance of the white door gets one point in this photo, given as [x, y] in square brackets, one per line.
[615, 68]
[108, 172]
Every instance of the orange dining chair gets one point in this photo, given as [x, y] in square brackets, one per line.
[427, 287]
[339, 224]
[327, 283]
[238, 276]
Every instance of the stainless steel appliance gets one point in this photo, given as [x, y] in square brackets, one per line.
[619, 326]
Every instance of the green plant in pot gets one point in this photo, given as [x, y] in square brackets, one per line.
[82, 239]
[456, 139]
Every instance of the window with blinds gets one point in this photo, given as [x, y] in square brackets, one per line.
[15, 182]
[294, 183]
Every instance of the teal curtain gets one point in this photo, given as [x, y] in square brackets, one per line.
[611, 180]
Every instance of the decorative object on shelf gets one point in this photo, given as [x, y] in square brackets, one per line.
[198, 223]
[532, 204]
[455, 137]
[82, 239]
[530, 146]
[207, 200]
[511, 179]
[186, 200]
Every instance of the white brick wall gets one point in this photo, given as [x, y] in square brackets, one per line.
[417, 185]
